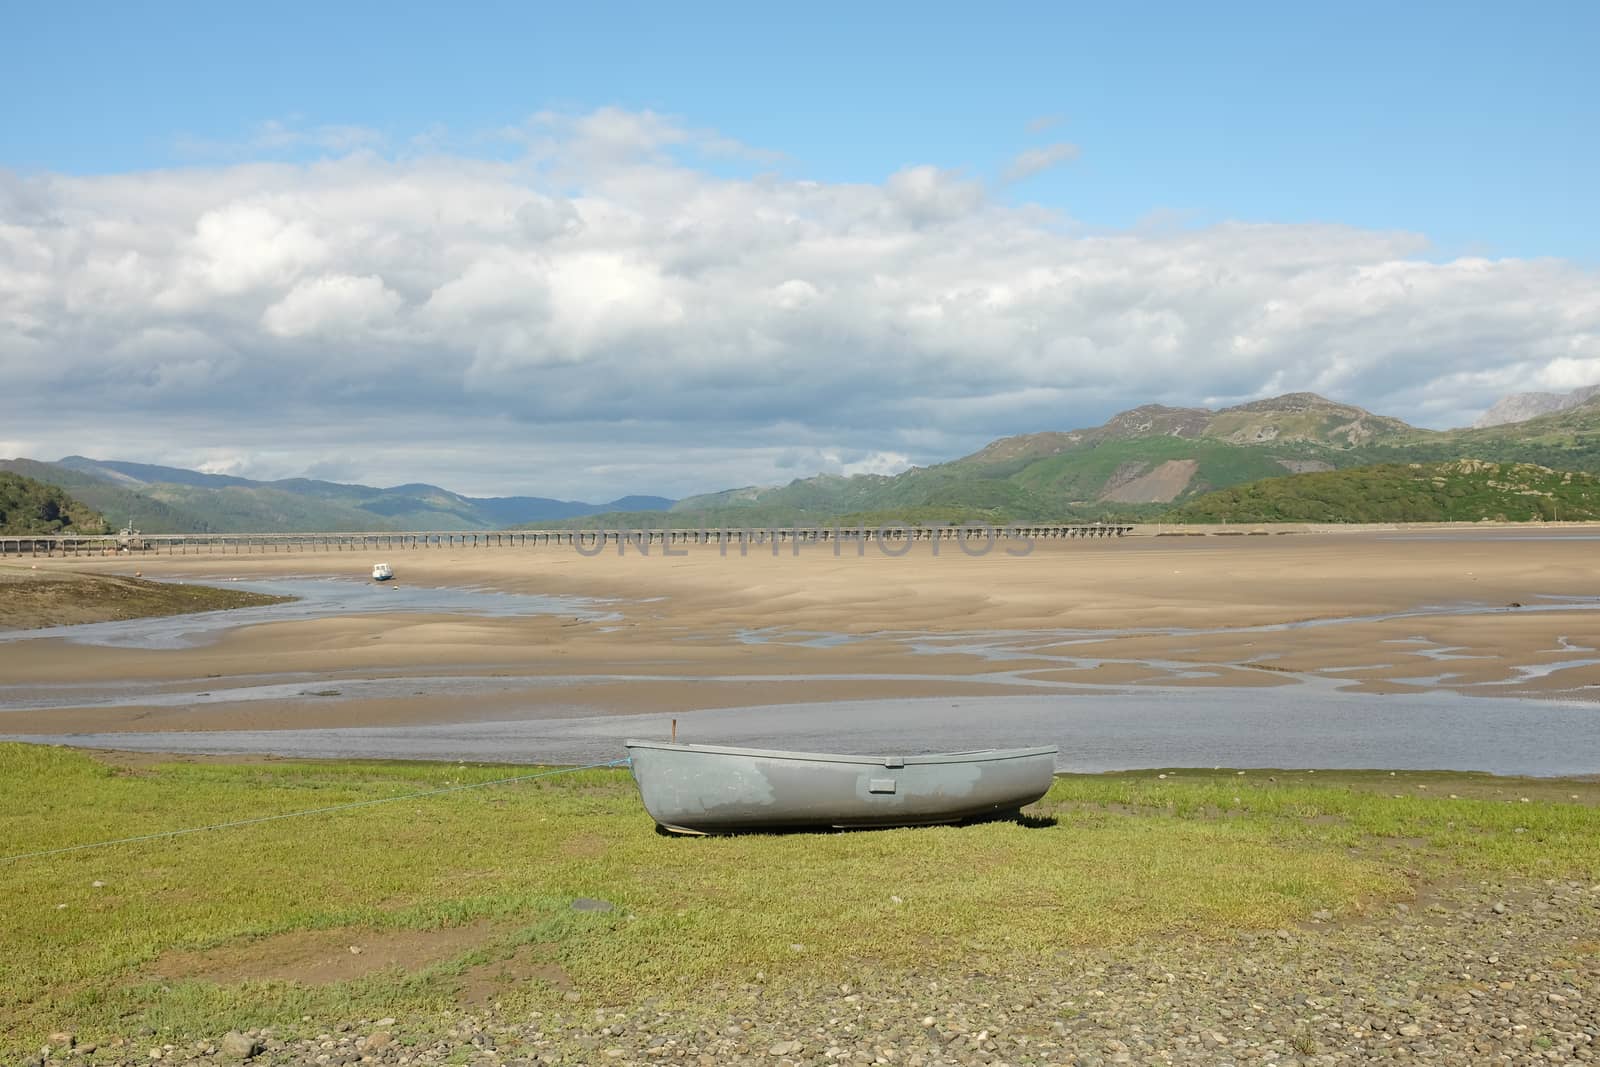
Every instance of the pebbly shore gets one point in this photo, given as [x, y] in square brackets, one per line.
[1485, 973]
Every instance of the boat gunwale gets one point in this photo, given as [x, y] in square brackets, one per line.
[984, 755]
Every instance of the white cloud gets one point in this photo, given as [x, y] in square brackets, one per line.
[606, 294]
[332, 305]
[874, 463]
[1037, 160]
[926, 194]
[223, 463]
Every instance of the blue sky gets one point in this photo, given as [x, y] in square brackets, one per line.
[678, 248]
[1476, 124]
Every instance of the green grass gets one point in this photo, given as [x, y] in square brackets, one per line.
[1127, 857]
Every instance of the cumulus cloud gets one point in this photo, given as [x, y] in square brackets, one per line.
[924, 195]
[606, 314]
[1037, 160]
[332, 305]
[882, 463]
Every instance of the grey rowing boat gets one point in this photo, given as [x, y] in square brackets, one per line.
[708, 789]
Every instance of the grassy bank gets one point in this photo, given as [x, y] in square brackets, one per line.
[30, 599]
[408, 907]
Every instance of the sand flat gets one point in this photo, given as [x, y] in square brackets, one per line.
[710, 629]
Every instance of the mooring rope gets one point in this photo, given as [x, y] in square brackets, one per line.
[310, 811]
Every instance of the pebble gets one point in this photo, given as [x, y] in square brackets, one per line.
[1380, 987]
[238, 1046]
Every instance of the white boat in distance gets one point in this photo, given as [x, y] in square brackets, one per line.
[709, 789]
[382, 572]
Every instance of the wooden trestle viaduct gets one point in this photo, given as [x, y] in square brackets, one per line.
[589, 541]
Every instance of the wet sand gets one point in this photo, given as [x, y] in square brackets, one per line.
[1365, 613]
[31, 598]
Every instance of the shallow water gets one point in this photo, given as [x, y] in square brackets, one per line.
[1312, 721]
[1307, 726]
[332, 688]
[316, 598]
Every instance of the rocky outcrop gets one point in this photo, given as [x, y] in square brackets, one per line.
[1520, 407]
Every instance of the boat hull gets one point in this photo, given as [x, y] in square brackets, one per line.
[708, 789]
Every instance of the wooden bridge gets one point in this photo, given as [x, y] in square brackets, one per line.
[590, 542]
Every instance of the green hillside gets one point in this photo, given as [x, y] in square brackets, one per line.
[1141, 462]
[32, 507]
[120, 503]
[1464, 491]
[1565, 440]
[254, 509]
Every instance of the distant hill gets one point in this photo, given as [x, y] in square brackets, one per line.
[1520, 407]
[110, 470]
[1463, 491]
[1129, 466]
[1568, 439]
[33, 507]
[1137, 465]
[174, 500]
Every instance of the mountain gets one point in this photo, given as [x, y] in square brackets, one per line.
[110, 470]
[174, 500]
[1134, 462]
[1294, 418]
[1467, 490]
[33, 507]
[1138, 464]
[1520, 407]
[118, 502]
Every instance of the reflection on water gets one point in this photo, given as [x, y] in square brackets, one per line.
[1307, 726]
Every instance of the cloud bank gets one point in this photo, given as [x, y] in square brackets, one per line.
[629, 304]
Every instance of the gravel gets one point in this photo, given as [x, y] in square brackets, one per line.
[1480, 974]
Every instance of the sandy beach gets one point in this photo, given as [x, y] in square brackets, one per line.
[1378, 613]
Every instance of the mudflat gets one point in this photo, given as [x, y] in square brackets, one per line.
[31, 598]
[711, 628]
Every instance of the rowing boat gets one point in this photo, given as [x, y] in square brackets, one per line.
[711, 789]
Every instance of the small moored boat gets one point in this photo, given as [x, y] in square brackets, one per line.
[709, 789]
[382, 572]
